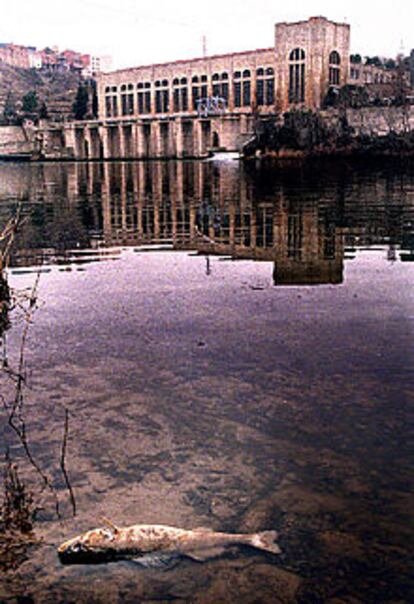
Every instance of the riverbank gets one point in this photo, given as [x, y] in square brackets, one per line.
[301, 135]
[369, 131]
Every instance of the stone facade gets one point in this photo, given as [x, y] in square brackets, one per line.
[259, 80]
[322, 60]
[186, 108]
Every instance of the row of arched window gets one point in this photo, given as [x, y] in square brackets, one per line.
[216, 77]
[220, 82]
[220, 87]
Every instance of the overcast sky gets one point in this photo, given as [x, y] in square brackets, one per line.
[136, 32]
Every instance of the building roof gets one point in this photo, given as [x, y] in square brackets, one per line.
[183, 61]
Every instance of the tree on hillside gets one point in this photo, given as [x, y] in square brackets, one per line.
[43, 112]
[390, 64]
[94, 98]
[9, 111]
[80, 106]
[373, 61]
[30, 102]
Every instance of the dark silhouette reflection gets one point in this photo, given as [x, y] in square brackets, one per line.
[304, 220]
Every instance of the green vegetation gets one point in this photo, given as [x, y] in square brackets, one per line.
[9, 110]
[43, 112]
[307, 134]
[80, 106]
[303, 131]
[30, 102]
[373, 61]
[55, 93]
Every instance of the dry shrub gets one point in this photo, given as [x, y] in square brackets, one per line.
[17, 515]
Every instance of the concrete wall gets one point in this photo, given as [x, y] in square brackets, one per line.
[16, 140]
[380, 121]
[184, 137]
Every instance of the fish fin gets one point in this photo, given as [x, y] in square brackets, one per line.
[205, 554]
[266, 541]
[156, 560]
[110, 524]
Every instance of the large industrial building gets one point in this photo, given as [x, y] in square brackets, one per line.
[184, 108]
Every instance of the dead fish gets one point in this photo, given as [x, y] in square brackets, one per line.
[155, 545]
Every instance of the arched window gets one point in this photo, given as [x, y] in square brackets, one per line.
[180, 94]
[162, 97]
[265, 86]
[111, 102]
[297, 76]
[199, 90]
[298, 54]
[221, 86]
[127, 100]
[334, 69]
[334, 58]
[242, 88]
[143, 98]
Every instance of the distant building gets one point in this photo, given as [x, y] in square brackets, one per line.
[361, 74]
[74, 61]
[49, 58]
[412, 68]
[35, 58]
[97, 64]
[14, 55]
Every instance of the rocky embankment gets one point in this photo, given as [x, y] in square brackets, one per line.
[303, 134]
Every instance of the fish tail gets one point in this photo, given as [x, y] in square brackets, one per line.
[266, 541]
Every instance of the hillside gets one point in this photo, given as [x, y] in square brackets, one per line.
[56, 89]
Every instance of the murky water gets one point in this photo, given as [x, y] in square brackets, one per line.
[234, 346]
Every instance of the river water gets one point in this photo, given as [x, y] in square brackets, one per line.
[234, 348]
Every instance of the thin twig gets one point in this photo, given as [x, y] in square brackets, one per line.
[62, 463]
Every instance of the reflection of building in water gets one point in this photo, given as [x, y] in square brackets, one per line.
[215, 211]
[144, 203]
[309, 247]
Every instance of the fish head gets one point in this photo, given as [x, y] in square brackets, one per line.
[97, 545]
